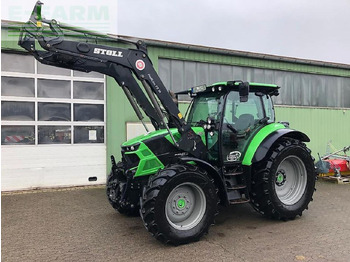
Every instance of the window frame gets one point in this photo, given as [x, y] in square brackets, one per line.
[71, 78]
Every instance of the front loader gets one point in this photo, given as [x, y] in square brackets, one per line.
[227, 150]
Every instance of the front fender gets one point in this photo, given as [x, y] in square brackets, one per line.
[257, 140]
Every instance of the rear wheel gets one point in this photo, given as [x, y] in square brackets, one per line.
[283, 185]
[179, 204]
[290, 191]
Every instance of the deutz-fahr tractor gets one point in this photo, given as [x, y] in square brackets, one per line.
[227, 150]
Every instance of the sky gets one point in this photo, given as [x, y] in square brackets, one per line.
[308, 29]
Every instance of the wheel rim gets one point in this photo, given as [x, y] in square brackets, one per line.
[290, 180]
[185, 206]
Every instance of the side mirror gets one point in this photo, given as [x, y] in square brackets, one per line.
[243, 89]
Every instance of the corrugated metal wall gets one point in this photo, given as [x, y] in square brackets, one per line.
[320, 124]
[228, 59]
[298, 89]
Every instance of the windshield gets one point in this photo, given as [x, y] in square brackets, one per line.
[204, 106]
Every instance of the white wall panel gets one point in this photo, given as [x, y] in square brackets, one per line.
[136, 129]
[28, 167]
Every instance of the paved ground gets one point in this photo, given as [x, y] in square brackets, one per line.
[79, 225]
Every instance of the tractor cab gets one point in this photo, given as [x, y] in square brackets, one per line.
[231, 113]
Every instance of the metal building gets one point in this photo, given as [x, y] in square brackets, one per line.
[59, 127]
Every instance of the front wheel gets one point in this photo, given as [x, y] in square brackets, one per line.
[179, 204]
[283, 185]
[114, 190]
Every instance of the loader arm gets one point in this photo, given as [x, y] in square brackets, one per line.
[120, 63]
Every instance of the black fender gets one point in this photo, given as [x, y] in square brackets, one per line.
[213, 173]
[267, 143]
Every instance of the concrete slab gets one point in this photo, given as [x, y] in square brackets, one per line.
[80, 225]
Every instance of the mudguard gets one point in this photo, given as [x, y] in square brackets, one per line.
[266, 144]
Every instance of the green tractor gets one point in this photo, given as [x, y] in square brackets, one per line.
[228, 149]
[250, 158]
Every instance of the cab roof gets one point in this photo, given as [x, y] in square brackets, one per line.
[270, 89]
[251, 85]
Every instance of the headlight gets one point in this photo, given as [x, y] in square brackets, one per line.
[131, 148]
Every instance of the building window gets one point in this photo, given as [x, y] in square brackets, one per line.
[54, 134]
[43, 104]
[85, 90]
[17, 111]
[54, 111]
[89, 134]
[17, 63]
[17, 135]
[54, 88]
[15, 86]
[88, 113]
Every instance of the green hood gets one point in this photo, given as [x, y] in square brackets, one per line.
[163, 132]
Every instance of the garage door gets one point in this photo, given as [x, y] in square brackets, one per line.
[52, 125]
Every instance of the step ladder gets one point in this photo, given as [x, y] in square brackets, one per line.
[235, 181]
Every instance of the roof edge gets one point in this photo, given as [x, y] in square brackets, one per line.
[223, 51]
[214, 50]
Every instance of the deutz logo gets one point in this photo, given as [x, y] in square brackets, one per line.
[108, 52]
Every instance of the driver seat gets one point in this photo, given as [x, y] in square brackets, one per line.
[244, 121]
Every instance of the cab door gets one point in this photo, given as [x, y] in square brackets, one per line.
[241, 121]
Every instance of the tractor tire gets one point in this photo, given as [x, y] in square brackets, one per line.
[283, 184]
[179, 204]
[114, 191]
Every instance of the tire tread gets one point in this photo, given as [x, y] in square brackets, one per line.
[261, 197]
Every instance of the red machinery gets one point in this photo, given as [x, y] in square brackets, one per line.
[334, 164]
